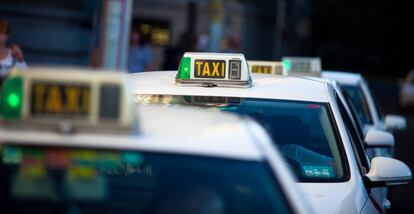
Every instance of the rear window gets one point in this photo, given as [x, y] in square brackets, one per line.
[72, 180]
[302, 131]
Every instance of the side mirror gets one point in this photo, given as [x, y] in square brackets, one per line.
[395, 122]
[387, 172]
[376, 138]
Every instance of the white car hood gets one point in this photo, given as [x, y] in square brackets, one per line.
[333, 197]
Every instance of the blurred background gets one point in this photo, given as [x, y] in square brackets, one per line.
[369, 37]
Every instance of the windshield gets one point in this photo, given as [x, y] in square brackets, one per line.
[360, 102]
[303, 131]
[69, 180]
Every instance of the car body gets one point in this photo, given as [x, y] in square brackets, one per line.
[349, 194]
[164, 160]
[364, 151]
[359, 134]
[357, 88]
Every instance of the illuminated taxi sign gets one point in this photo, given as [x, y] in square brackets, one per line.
[79, 97]
[213, 69]
[307, 66]
[267, 67]
[60, 99]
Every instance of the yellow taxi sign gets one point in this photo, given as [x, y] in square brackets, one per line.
[60, 98]
[303, 66]
[80, 97]
[267, 67]
[213, 69]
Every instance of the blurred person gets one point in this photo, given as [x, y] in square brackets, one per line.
[10, 56]
[140, 54]
[95, 58]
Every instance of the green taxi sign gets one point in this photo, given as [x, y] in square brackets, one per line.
[302, 66]
[213, 70]
[81, 97]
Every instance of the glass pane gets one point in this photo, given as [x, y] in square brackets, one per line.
[360, 103]
[303, 131]
[68, 180]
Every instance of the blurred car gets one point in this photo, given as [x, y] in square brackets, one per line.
[407, 91]
[355, 86]
[73, 142]
[304, 118]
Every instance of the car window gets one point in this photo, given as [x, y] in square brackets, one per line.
[360, 102]
[303, 131]
[377, 107]
[355, 138]
[66, 180]
[354, 115]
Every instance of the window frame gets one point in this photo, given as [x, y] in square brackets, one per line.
[355, 138]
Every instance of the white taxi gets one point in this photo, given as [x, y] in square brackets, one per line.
[364, 151]
[71, 142]
[356, 87]
[302, 116]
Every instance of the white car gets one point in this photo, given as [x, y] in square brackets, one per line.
[407, 91]
[56, 157]
[357, 89]
[303, 117]
[366, 152]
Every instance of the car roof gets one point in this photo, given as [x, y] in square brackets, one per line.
[332, 82]
[264, 86]
[169, 130]
[343, 77]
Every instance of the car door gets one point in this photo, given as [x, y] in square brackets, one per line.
[376, 196]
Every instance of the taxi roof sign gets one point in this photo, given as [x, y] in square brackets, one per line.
[303, 66]
[267, 67]
[81, 97]
[213, 69]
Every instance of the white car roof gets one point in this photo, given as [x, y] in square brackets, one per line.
[162, 130]
[201, 130]
[264, 86]
[343, 77]
[332, 82]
